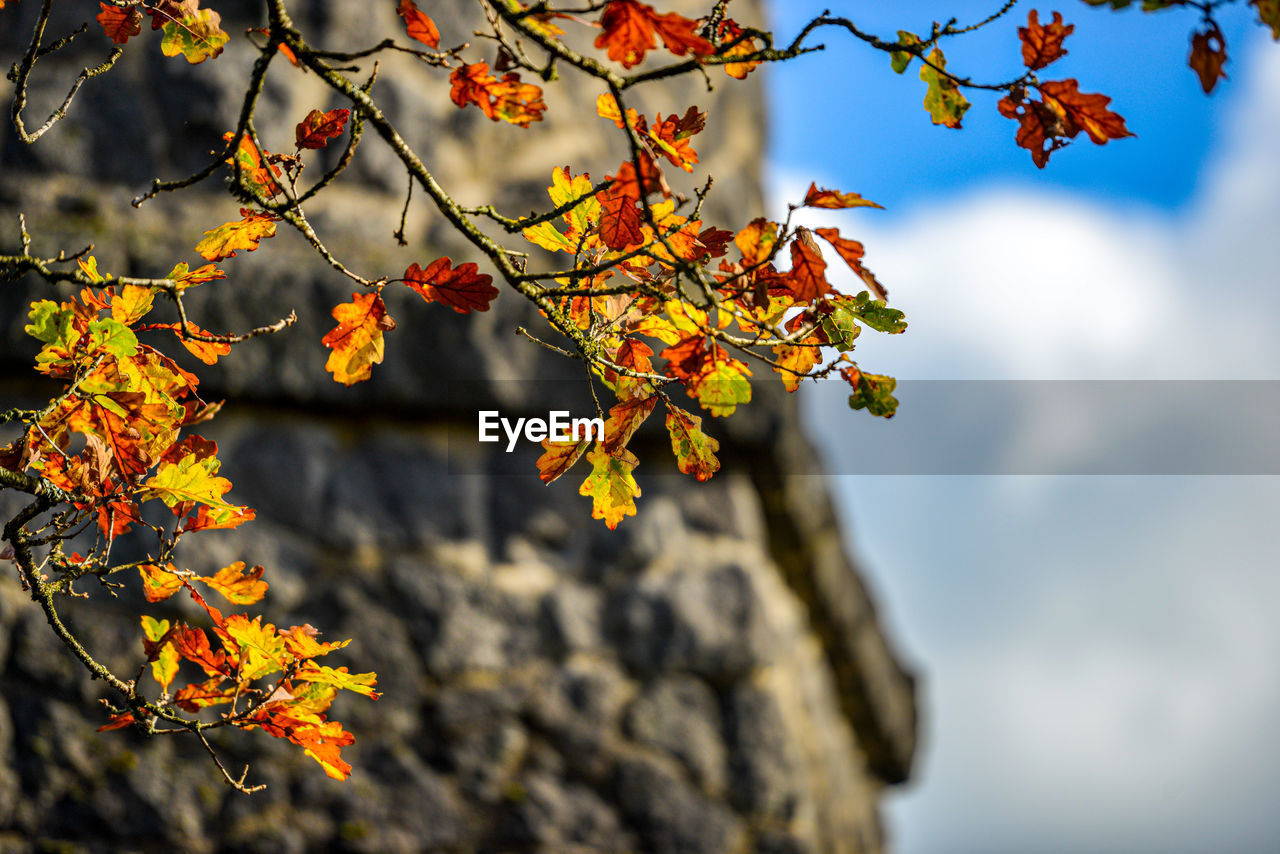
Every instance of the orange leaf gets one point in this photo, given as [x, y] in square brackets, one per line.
[1042, 44]
[206, 351]
[1081, 111]
[159, 584]
[462, 288]
[419, 26]
[231, 237]
[629, 30]
[835, 200]
[624, 420]
[115, 721]
[852, 251]
[1208, 55]
[193, 645]
[507, 99]
[238, 586]
[200, 695]
[318, 128]
[357, 340]
[119, 24]
[619, 219]
[559, 458]
[729, 32]
[808, 279]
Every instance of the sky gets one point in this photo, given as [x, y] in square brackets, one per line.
[1098, 653]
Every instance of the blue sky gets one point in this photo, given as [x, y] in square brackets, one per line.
[1098, 653]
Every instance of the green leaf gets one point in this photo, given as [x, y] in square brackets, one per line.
[723, 388]
[112, 336]
[944, 100]
[190, 479]
[875, 394]
[900, 59]
[877, 315]
[49, 323]
[695, 451]
[197, 37]
[611, 486]
[841, 325]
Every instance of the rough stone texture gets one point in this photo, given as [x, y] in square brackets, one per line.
[711, 677]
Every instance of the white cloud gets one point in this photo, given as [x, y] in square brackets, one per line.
[1098, 653]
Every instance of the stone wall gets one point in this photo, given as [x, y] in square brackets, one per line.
[710, 677]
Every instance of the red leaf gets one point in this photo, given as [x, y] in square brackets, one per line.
[1208, 55]
[119, 24]
[318, 128]
[808, 279]
[419, 26]
[463, 288]
[1042, 44]
[629, 30]
[619, 219]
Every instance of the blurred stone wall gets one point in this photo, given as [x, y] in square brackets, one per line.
[710, 677]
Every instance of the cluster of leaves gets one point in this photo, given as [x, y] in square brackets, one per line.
[639, 287]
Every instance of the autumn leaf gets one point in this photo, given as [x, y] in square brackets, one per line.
[835, 200]
[463, 288]
[418, 25]
[695, 451]
[808, 280]
[1042, 43]
[206, 351]
[193, 645]
[629, 28]
[559, 457]
[900, 60]
[189, 480]
[730, 32]
[236, 585]
[620, 225]
[671, 137]
[508, 99]
[1269, 14]
[119, 24]
[159, 584]
[318, 128]
[197, 35]
[722, 387]
[115, 721]
[1208, 55]
[624, 420]
[357, 341]
[871, 392]
[1080, 111]
[944, 100]
[232, 237]
[183, 276]
[162, 656]
[357, 683]
[201, 695]
[250, 161]
[131, 304]
[611, 486]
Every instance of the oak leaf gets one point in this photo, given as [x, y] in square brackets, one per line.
[318, 128]
[943, 99]
[236, 585]
[357, 341]
[559, 457]
[629, 29]
[808, 280]
[232, 237]
[160, 651]
[835, 200]
[1208, 55]
[463, 288]
[418, 25]
[508, 99]
[695, 451]
[611, 486]
[119, 24]
[1042, 43]
[197, 35]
